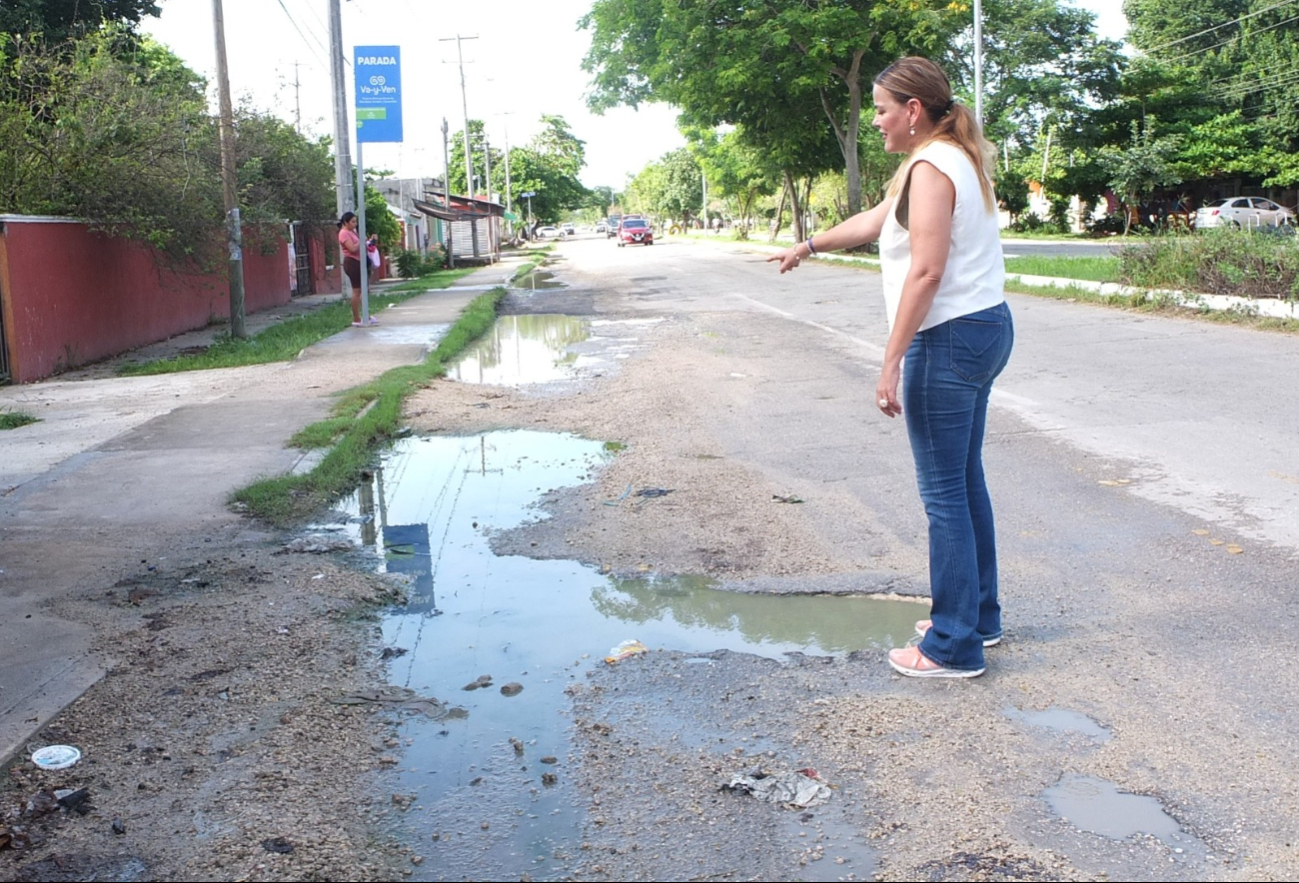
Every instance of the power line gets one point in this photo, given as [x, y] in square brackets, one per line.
[293, 22]
[1234, 21]
[1278, 80]
[1233, 39]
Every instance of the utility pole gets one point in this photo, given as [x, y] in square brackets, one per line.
[297, 100]
[234, 234]
[508, 209]
[446, 194]
[342, 131]
[978, 61]
[464, 98]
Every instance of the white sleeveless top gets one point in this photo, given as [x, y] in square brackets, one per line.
[975, 276]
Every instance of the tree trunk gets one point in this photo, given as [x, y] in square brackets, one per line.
[848, 132]
[780, 210]
[791, 186]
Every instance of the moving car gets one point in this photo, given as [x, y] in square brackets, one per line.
[611, 228]
[633, 230]
[569, 229]
[1242, 211]
[547, 232]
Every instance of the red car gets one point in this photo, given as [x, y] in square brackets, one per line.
[635, 230]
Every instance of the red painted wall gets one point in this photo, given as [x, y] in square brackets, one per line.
[73, 296]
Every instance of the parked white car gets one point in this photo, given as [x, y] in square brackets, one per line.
[1242, 211]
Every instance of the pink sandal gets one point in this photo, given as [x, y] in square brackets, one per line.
[909, 661]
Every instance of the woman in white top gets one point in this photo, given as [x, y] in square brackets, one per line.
[943, 276]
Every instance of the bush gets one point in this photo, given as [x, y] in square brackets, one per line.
[1233, 262]
[411, 264]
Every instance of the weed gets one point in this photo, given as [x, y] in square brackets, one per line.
[14, 419]
[365, 417]
[1233, 262]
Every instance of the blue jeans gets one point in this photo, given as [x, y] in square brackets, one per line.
[947, 377]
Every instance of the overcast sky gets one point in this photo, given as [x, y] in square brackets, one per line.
[525, 61]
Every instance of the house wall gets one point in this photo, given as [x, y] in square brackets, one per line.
[72, 296]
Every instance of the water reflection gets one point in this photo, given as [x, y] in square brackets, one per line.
[523, 349]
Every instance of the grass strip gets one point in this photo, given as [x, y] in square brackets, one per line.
[284, 340]
[1094, 268]
[364, 418]
[1159, 304]
[14, 419]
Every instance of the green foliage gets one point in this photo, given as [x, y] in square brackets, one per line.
[56, 20]
[1234, 262]
[15, 419]
[777, 68]
[413, 264]
[669, 188]
[1142, 166]
[116, 131]
[549, 166]
[1096, 269]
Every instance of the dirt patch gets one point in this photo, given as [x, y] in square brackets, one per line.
[722, 517]
[225, 742]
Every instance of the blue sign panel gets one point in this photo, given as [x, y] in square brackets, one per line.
[378, 92]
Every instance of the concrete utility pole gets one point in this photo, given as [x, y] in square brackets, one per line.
[978, 61]
[446, 194]
[342, 131]
[469, 158]
[234, 233]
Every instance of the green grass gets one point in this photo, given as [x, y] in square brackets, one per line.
[1095, 268]
[284, 340]
[1156, 303]
[364, 418]
[524, 270]
[14, 419]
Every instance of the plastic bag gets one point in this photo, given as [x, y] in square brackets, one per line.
[373, 251]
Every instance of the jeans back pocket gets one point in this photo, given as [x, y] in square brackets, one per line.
[979, 344]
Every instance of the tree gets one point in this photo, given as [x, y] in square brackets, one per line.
[1143, 166]
[56, 20]
[548, 166]
[760, 64]
[456, 161]
[671, 187]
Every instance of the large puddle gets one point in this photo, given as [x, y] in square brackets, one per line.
[546, 348]
[428, 513]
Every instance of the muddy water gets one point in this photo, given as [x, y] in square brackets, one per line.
[492, 787]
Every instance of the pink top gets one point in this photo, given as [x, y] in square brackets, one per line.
[350, 242]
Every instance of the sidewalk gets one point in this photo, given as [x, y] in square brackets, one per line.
[123, 474]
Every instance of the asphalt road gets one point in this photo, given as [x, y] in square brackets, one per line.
[1147, 492]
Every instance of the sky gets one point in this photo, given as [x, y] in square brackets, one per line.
[524, 61]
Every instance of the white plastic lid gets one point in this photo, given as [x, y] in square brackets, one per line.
[56, 757]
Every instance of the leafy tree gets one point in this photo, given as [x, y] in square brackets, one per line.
[57, 20]
[1144, 165]
[124, 142]
[456, 161]
[549, 166]
[735, 171]
[760, 64]
[671, 187]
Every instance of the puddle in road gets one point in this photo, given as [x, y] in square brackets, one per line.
[537, 280]
[429, 511]
[1061, 720]
[524, 349]
[1099, 807]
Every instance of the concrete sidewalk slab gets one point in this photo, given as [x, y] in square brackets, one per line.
[127, 474]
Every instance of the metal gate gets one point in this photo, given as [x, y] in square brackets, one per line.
[302, 260]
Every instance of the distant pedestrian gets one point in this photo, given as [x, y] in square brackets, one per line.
[350, 244]
[943, 276]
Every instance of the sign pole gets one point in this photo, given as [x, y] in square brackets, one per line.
[378, 118]
[365, 251]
